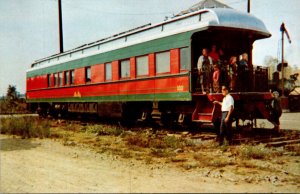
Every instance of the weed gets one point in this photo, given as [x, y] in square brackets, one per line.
[126, 154]
[179, 159]
[190, 165]
[171, 141]
[189, 142]
[224, 147]
[162, 153]
[138, 140]
[42, 129]
[148, 160]
[202, 158]
[65, 138]
[71, 127]
[255, 152]
[104, 130]
[157, 143]
[220, 162]
[254, 165]
[294, 149]
[208, 160]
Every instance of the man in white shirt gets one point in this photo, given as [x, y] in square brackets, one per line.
[227, 110]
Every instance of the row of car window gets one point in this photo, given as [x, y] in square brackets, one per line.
[162, 65]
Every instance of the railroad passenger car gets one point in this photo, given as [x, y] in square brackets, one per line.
[150, 73]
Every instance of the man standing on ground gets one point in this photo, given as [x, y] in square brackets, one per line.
[276, 111]
[227, 110]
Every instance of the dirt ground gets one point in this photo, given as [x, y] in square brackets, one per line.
[60, 165]
[48, 166]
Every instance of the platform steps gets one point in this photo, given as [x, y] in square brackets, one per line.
[204, 112]
[204, 117]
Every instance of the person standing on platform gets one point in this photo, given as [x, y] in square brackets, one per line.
[227, 109]
[204, 66]
[216, 79]
[244, 74]
[233, 73]
[214, 54]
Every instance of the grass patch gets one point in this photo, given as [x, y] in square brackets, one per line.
[152, 141]
[126, 154]
[212, 161]
[253, 151]
[25, 126]
[294, 149]
[103, 130]
[162, 153]
[73, 127]
[171, 142]
[220, 162]
[139, 140]
[257, 152]
[190, 165]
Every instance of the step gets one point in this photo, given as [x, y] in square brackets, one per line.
[201, 121]
[205, 114]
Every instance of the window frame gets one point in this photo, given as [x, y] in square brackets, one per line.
[60, 79]
[180, 58]
[55, 79]
[88, 74]
[105, 71]
[137, 68]
[66, 78]
[49, 81]
[165, 72]
[72, 77]
[127, 75]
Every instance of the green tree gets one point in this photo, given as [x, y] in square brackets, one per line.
[11, 103]
[11, 93]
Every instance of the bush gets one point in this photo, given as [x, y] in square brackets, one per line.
[25, 127]
[11, 107]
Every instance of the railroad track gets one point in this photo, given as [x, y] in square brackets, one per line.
[255, 136]
[6, 115]
[266, 136]
[258, 136]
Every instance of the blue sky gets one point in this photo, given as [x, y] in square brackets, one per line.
[28, 28]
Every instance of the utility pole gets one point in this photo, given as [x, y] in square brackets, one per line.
[248, 6]
[60, 28]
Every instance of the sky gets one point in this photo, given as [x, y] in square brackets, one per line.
[29, 28]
